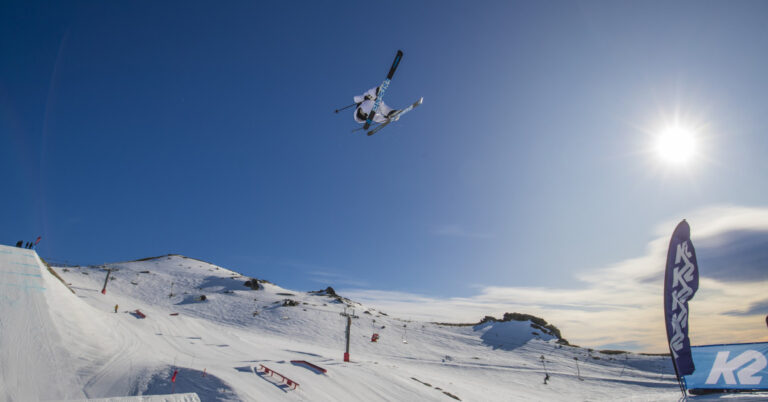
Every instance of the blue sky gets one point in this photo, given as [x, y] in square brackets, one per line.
[134, 129]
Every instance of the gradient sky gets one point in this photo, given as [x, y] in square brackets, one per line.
[131, 129]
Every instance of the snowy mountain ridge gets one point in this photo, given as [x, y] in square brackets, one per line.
[214, 287]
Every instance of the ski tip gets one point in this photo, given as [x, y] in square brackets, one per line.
[421, 100]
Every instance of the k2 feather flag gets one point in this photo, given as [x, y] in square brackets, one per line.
[681, 281]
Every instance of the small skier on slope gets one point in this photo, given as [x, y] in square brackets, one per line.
[365, 103]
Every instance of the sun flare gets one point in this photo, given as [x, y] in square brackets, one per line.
[676, 145]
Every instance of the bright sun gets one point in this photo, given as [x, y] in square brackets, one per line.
[676, 145]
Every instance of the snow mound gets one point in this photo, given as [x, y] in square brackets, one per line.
[510, 335]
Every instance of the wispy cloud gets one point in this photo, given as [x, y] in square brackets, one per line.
[74, 220]
[738, 255]
[334, 279]
[757, 308]
[326, 276]
[458, 231]
[622, 304]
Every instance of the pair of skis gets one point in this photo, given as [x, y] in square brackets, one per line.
[382, 88]
[395, 117]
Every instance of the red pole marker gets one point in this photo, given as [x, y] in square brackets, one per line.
[173, 379]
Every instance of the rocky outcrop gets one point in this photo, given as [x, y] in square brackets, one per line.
[255, 284]
[536, 323]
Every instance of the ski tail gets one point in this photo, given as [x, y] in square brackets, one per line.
[396, 116]
[383, 88]
[395, 63]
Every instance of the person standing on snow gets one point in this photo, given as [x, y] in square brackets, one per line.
[115, 308]
[365, 103]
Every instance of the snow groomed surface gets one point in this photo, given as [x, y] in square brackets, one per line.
[33, 359]
[214, 346]
[235, 330]
[149, 398]
[41, 344]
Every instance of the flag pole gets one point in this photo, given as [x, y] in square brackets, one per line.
[677, 373]
[669, 344]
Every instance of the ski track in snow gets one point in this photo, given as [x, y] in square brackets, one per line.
[217, 345]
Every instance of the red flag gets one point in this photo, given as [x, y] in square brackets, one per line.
[173, 379]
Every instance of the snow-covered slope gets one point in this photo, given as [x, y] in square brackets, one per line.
[218, 345]
[30, 348]
[36, 358]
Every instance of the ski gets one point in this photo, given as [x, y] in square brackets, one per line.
[382, 88]
[361, 128]
[396, 116]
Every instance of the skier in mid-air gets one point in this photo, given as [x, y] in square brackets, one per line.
[365, 103]
[369, 107]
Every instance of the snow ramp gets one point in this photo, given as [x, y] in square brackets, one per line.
[33, 359]
[189, 397]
